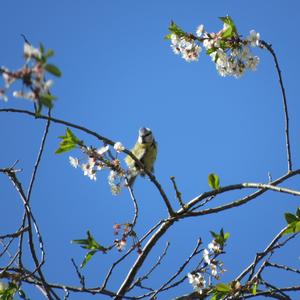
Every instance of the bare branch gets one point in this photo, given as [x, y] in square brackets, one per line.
[178, 194]
[114, 265]
[146, 276]
[182, 267]
[14, 235]
[80, 276]
[12, 176]
[278, 266]
[285, 107]
[236, 203]
[136, 208]
[39, 156]
[260, 256]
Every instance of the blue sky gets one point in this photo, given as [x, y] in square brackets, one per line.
[119, 74]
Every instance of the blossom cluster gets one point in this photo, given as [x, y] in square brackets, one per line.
[198, 281]
[97, 160]
[188, 49]
[211, 267]
[235, 60]
[35, 87]
[231, 54]
[127, 231]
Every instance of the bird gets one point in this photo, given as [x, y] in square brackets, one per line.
[145, 150]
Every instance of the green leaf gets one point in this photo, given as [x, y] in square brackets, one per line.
[53, 70]
[290, 218]
[87, 257]
[210, 51]
[168, 36]
[90, 244]
[293, 227]
[49, 53]
[66, 148]
[214, 181]
[68, 142]
[227, 33]
[226, 236]
[254, 289]
[174, 28]
[214, 235]
[71, 135]
[47, 100]
[9, 292]
[227, 20]
[42, 48]
[222, 287]
[231, 29]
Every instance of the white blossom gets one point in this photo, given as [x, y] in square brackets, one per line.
[30, 51]
[8, 79]
[175, 49]
[208, 43]
[20, 94]
[252, 62]
[103, 150]
[115, 189]
[88, 171]
[48, 83]
[197, 281]
[74, 161]
[254, 38]
[206, 256]
[200, 30]
[112, 177]
[213, 269]
[188, 49]
[174, 39]
[121, 245]
[119, 147]
[91, 162]
[214, 246]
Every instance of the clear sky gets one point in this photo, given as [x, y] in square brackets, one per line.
[119, 74]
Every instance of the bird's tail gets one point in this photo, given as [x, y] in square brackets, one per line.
[131, 177]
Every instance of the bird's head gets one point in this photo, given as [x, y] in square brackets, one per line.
[145, 136]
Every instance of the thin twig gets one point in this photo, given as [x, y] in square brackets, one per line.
[135, 205]
[278, 290]
[39, 156]
[5, 247]
[235, 203]
[278, 266]
[285, 107]
[261, 255]
[80, 276]
[195, 252]
[146, 276]
[115, 264]
[141, 258]
[178, 194]
[15, 234]
[30, 217]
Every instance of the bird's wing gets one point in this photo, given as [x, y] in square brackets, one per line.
[139, 152]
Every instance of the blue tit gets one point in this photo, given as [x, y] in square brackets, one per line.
[145, 150]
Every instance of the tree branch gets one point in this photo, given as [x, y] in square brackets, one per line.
[285, 107]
